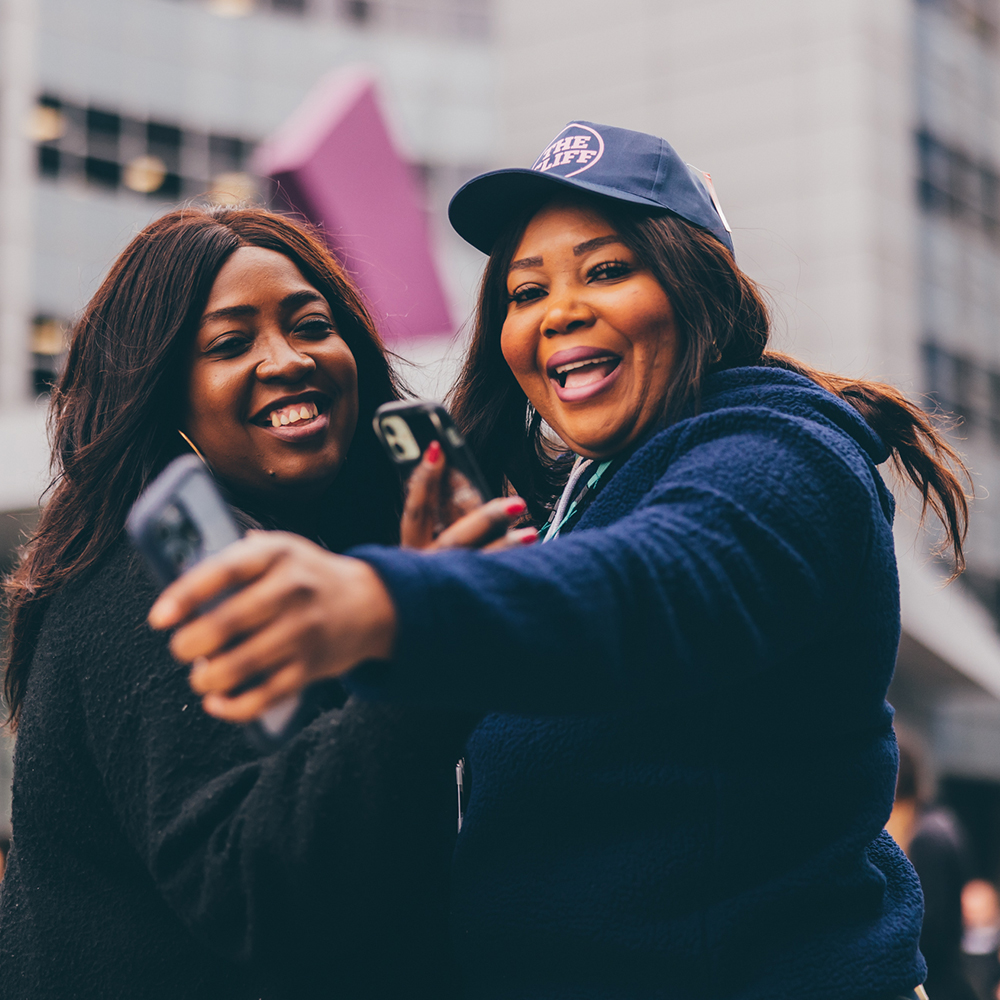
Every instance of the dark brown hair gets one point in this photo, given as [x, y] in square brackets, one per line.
[117, 406]
[722, 322]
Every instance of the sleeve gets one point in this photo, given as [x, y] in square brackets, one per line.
[750, 539]
[335, 849]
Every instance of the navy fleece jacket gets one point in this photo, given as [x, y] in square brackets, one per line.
[681, 786]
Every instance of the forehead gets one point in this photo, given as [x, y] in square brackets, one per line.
[562, 224]
[254, 275]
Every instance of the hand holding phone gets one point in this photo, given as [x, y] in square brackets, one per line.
[181, 519]
[448, 502]
[407, 428]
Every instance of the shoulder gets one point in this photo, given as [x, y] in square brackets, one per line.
[114, 592]
[792, 402]
[769, 440]
[748, 413]
[96, 625]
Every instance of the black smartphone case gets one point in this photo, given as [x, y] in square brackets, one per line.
[181, 519]
[427, 421]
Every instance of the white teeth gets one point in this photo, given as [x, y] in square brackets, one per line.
[563, 369]
[293, 414]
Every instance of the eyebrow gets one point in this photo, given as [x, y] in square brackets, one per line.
[578, 251]
[602, 241]
[288, 304]
[519, 265]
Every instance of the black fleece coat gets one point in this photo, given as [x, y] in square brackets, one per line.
[157, 855]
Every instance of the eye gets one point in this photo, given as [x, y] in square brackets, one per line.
[608, 270]
[527, 292]
[315, 327]
[228, 346]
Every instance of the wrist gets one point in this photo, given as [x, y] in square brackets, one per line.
[376, 612]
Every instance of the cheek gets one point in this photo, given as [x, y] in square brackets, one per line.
[519, 350]
[340, 367]
[212, 397]
[655, 345]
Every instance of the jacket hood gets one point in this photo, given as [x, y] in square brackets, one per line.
[794, 394]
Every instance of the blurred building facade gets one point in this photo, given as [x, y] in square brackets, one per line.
[114, 110]
[855, 147]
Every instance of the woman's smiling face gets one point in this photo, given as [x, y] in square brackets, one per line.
[273, 389]
[589, 332]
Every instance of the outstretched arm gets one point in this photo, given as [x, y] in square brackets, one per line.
[749, 542]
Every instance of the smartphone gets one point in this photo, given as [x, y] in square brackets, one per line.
[406, 429]
[180, 519]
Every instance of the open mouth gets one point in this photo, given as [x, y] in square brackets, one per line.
[295, 417]
[580, 372]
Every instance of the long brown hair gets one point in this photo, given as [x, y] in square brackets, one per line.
[117, 407]
[722, 322]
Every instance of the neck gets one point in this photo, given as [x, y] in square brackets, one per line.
[299, 511]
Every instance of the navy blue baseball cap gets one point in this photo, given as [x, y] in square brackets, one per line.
[613, 162]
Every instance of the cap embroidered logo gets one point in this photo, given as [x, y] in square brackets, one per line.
[575, 149]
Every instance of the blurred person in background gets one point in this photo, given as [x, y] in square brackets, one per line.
[981, 937]
[681, 787]
[155, 854]
[931, 838]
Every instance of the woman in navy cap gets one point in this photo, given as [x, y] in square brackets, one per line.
[686, 762]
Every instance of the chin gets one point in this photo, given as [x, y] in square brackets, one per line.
[597, 443]
[311, 479]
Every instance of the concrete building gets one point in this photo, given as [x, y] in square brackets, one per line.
[113, 110]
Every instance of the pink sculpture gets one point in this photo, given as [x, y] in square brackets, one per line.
[334, 162]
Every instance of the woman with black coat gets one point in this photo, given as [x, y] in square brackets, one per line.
[155, 852]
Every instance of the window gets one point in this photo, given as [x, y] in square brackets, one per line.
[226, 154]
[48, 161]
[952, 183]
[165, 142]
[959, 385]
[454, 18]
[358, 11]
[104, 173]
[48, 349]
[110, 151]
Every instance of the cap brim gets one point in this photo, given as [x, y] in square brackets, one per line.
[482, 208]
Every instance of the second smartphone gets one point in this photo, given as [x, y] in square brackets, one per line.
[406, 429]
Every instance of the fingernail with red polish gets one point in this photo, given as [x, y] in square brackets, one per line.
[433, 452]
[530, 538]
[515, 506]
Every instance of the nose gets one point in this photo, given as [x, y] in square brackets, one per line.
[282, 362]
[566, 311]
